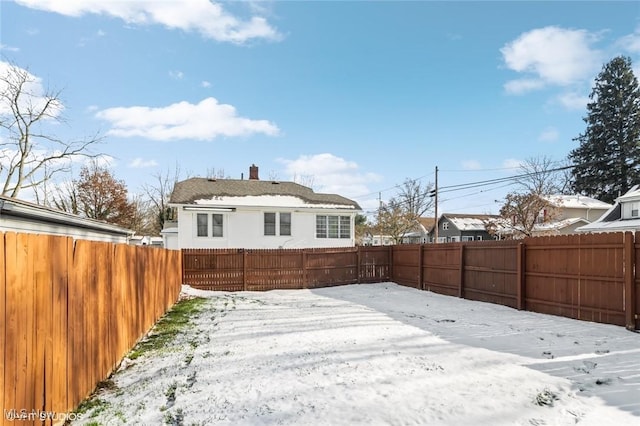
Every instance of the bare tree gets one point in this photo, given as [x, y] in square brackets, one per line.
[520, 214]
[158, 194]
[543, 176]
[400, 215]
[30, 154]
[65, 197]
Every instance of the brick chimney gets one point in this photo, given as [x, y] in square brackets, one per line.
[253, 172]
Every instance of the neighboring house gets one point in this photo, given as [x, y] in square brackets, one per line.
[624, 215]
[170, 235]
[377, 240]
[146, 240]
[565, 214]
[463, 227]
[232, 213]
[22, 216]
[421, 233]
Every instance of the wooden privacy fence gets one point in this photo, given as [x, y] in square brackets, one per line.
[589, 276]
[69, 312]
[241, 269]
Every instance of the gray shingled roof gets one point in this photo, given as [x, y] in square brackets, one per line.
[187, 191]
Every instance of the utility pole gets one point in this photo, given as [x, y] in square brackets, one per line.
[435, 194]
[379, 216]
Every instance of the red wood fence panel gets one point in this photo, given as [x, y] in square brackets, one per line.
[490, 272]
[577, 276]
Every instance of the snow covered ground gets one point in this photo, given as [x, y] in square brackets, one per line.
[379, 354]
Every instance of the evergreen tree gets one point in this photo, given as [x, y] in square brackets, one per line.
[607, 162]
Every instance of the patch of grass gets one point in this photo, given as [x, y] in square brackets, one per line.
[174, 420]
[95, 405]
[120, 415]
[169, 326]
[106, 384]
[188, 359]
[171, 395]
[545, 398]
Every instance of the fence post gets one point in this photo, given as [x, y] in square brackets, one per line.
[461, 278]
[420, 264]
[520, 277]
[390, 260]
[305, 276]
[245, 253]
[358, 260]
[629, 282]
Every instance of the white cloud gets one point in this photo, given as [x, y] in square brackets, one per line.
[205, 84]
[139, 163]
[33, 96]
[523, 85]
[511, 163]
[573, 101]
[550, 134]
[101, 33]
[9, 48]
[471, 165]
[176, 75]
[202, 16]
[330, 174]
[553, 55]
[631, 42]
[205, 120]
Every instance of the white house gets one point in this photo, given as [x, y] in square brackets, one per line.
[624, 215]
[232, 213]
[21, 216]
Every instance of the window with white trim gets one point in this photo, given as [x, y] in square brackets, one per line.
[217, 225]
[634, 209]
[277, 223]
[330, 226]
[285, 224]
[445, 226]
[467, 238]
[269, 224]
[203, 224]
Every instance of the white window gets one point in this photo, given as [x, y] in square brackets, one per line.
[202, 225]
[634, 209]
[455, 239]
[328, 226]
[285, 223]
[202, 221]
[467, 238]
[445, 226]
[217, 225]
[269, 224]
[479, 237]
[270, 221]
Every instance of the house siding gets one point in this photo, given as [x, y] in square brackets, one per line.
[244, 228]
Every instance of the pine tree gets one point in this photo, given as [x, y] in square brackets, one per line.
[607, 162]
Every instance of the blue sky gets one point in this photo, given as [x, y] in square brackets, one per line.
[352, 96]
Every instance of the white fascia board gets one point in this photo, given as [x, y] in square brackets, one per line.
[22, 210]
